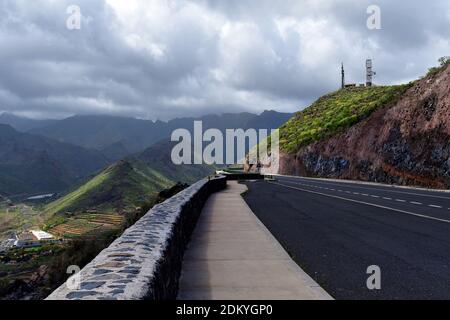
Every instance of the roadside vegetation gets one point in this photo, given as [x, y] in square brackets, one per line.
[35, 272]
[87, 219]
[334, 113]
[443, 63]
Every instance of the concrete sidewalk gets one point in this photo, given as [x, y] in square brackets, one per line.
[232, 256]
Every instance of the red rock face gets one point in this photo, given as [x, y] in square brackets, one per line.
[404, 143]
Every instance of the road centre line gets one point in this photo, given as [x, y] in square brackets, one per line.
[364, 203]
[366, 195]
[365, 188]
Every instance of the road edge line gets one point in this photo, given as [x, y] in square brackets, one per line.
[365, 203]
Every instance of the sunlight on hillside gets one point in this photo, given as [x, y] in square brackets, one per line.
[335, 112]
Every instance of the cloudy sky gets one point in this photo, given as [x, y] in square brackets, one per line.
[160, 59]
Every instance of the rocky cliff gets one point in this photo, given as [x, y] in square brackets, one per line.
[405, 141]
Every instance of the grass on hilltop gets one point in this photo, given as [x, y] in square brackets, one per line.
[334, 113]
[443, 63]
[120, 187]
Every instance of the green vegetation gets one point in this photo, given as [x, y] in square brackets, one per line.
[69, 200]
[31, 165]
[89, 234]
[120, 187]
[108, 200]
[117, 190]
[9, 219]
[88, 225]
[35, 272]
[236, 171]
[19, 265]
[16, 218]
[158, 159]
[334, 113]
[443, 62]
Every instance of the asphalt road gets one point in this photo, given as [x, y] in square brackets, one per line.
[336, 230]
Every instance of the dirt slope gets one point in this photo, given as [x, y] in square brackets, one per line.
[405, 143]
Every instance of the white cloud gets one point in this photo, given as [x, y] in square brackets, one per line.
[168, 58]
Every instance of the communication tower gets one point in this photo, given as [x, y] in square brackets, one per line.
[369, 73]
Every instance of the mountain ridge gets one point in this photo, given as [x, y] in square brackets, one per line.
[129, 182]
[23, 124]
[108, 132]
[30, 164]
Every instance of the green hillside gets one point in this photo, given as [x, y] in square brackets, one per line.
[31, 165]
[121, 186]
[158, 157]
[124, 186]
[335, 112]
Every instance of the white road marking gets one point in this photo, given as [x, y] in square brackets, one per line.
[366, 188]
[365, 203]
[364, 194]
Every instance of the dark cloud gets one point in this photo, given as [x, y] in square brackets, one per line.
[161, 59]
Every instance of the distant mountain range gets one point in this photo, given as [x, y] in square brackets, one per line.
[31, 164]
[23, 124]
[42, 156]
[118, 137]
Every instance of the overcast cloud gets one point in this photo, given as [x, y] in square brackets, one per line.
[160, 59]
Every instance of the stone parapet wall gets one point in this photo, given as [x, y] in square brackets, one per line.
[145, 262]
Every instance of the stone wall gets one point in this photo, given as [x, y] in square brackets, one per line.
[145, 262]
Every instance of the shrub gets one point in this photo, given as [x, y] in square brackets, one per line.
[443, 62]
[335, 112]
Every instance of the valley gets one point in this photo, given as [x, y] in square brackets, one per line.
[86, 179]
[32, 272]
[83, 219]
[119, 137]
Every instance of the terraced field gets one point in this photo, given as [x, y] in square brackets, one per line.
[86, 224]
[102, 219]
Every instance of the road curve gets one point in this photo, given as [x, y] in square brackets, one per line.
[336, 230]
